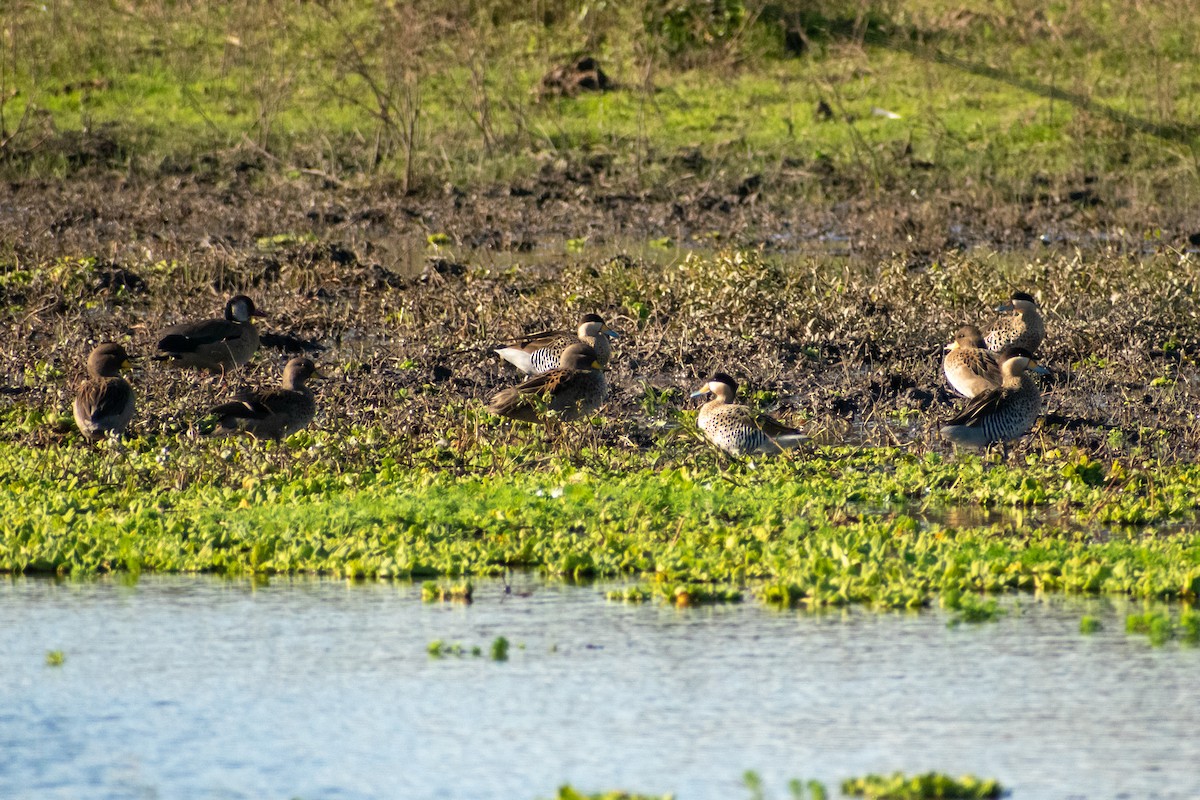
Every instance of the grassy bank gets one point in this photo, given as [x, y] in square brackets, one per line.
[996, 95]
[838, 526]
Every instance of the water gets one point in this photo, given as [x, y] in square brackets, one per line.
[201, 688]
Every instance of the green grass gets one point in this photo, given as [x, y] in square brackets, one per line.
[835, 528]
[994, 94]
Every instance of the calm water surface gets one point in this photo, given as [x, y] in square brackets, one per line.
[204, 688]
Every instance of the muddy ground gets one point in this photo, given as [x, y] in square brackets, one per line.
[841, 319]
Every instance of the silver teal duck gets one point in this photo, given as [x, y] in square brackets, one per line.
[542, 352]
[736, 429]
[1004, 413]
[272, 413]
[1021, 325]
[104, 403]
[573, 390]
[968, 365]
[217, 345]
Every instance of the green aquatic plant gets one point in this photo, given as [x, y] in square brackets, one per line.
[1089, 624]
[929, 786]
[969, 608]
[631, 594]
[55, 658]
[1189, 626]
[365, 504]
[434, 592]
[500, 649]
[1158, 626]
[570, 793]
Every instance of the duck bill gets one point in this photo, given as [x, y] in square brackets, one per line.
[950, 346]
[611, 333]
[1002, 308]
[699, 393]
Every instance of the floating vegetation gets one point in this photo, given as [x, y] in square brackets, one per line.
[631, 594]
[434, 592]
[358, 504]
[969, 608]
[1160, 628]
[55, 658]
[439, 648]
[500, 649]
[1089, 624]
[797, 789]
[930, 786]
[682, 595]
[570, 793]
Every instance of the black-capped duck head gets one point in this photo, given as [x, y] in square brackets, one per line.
[1020, 301]
[594, 325]
[107, 361]
[240, 308]
[967, 336]
[720, 385]
[1016, 360]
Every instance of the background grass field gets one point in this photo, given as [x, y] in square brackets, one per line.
[988, 94]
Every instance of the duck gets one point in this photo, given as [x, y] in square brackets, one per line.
[1021, 326]
[216, 345]
[541, 352]
[968, 365]
[737, 429]
[573, 390]
[1004, 413]
[104, 403]
[272, 413]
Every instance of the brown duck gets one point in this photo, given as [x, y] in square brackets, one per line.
[217, 345]
[575, 389]
[969, 366]
[737, 429]
[272, 413]
[1004, 413]
[104, 403]
[542, 352]
[1021, 325]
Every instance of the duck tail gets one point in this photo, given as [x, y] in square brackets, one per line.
[518, 358]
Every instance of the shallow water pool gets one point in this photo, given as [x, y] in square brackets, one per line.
[184, 687]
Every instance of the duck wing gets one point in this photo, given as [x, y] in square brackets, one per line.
[773, 427]
[249, 405]
[979, 407]
[536, 341]
[189, 337]
[103, 399]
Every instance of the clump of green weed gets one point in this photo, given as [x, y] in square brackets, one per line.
[434, 592]
[571, 793]
[684, 595]
[784, 595]
[55, 658]
[632, 594]
[970, 609]
[500, 649]
[1089, 624]
[928, 786]
[1160, 628]
[1154, 624]
[1189, 626]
